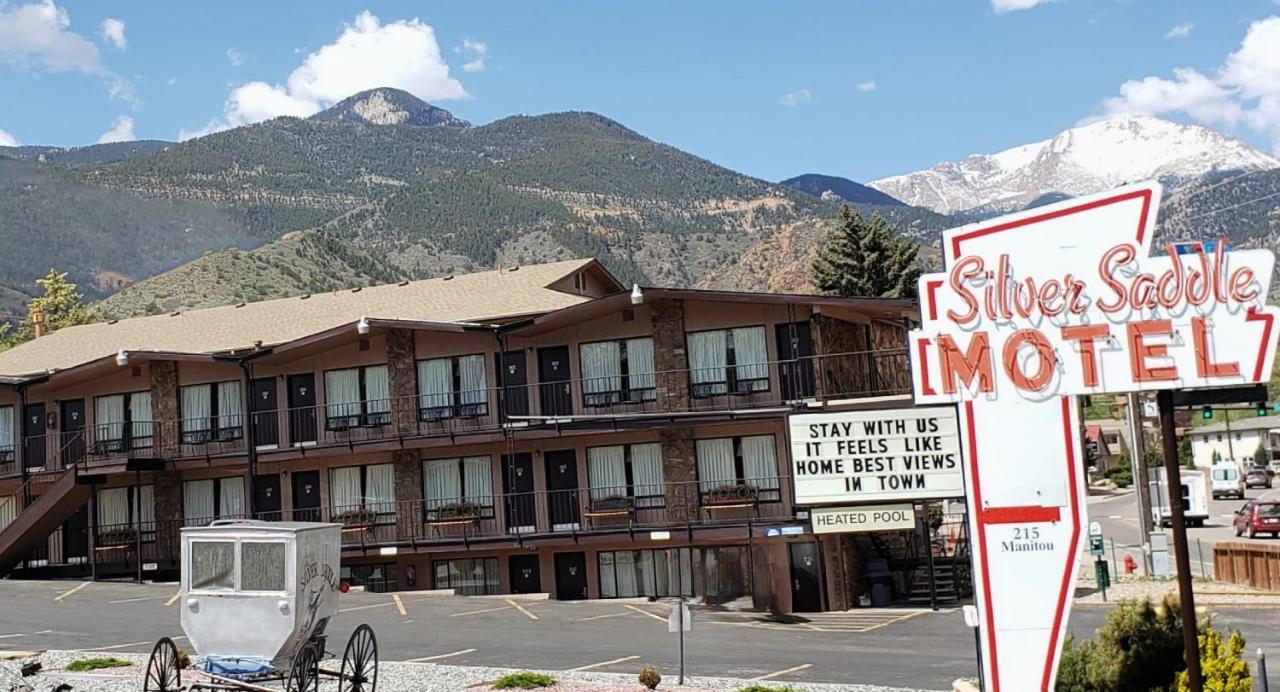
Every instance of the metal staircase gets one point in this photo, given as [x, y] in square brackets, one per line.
[49, 500]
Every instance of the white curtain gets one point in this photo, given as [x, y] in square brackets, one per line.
[625, 567]
[197, 501]
[640, 367]
[196, 405]
[8, 510]
[759, 461]
[231, 497]
[751, 356]
[140, 414]
[377, 389]
[6, 428]
[601, 367]
[344, 488]
[342, 393]
[707, 358]
[435, 383]
[108, 417]
[145, 514]
[471, 375]
[646, 474]
[442, 483]
[113, 508]
[380, 488]
[715, 463]
[608, 583]
[606, 467]
[230, 406]
[478, 474]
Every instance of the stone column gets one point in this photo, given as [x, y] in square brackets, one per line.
[167, 491]
[166, 429]
[679, 472]
[408, 473]
[403, 379]
[669, 354]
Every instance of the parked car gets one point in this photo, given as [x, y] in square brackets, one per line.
[1227, 481]
[1258, 516]
[1257, 477]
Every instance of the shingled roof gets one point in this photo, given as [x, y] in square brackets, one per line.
[482, 297]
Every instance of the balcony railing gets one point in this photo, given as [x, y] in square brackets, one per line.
[732, 388]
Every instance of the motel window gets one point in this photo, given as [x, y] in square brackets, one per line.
[8, 510]
[452, 388]
[6, 435]
[357, 489]
[357, 396]
[121, 511]
[213, 498]
[654, 573]
[122, 421]
[212, 412]
[458, 489]
[728, 361]
[730, 464]
[375, 578]
[468, 577]
[615, 372]
[626, 475]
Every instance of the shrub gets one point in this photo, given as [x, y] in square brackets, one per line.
[524, 681]
[649, 677]
[766, 688]
[184, 659]
[1222, 665]
[96, 663]
[1137, 649]
[1121, 474]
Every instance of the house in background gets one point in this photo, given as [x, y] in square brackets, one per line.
[1236, 442]
[1106, 438]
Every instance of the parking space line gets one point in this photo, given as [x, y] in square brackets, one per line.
[773, 675]
[366, 607]
[477, 612]
[136, 600]
[642, 611]
[119, 646]
[601, 617]
[437, 657]
[399, 604]
[176, 595]
[70, 591]
[601, 664]
[10, 636]
[522, 609]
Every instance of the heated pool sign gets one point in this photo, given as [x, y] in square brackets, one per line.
[1033, 309]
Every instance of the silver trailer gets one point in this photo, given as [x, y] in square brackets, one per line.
[256, 598]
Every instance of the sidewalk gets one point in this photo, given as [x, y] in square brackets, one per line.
[1206, 592]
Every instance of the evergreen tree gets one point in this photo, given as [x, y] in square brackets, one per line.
[865, 258]
[60, 304]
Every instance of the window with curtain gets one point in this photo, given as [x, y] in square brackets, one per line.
[128, 508]
[213, 498]
[633, 472]
[211, 412]
[739, 461]
[728, 361]
[370, 488]
[140, 421]
[6, 434]
[122, 421]
[654, 573]
[616, 372]
[451, 484]
[356, 397]
[453, 387]
[469, 576]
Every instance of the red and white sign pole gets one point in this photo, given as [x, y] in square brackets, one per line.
[1034, 309]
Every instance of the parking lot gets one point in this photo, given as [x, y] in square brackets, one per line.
[908, 648]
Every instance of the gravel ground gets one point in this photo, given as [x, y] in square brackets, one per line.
[392, 677]
[1206, 592]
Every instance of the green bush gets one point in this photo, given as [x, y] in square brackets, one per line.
[649, 677]
[524, 681]
[1221, 665]
[96, 663]
[1120, 474]
[1137, 650]
[766, 688]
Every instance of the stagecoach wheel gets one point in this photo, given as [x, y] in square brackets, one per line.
[360, 662]
[163, 671]
[304, 676]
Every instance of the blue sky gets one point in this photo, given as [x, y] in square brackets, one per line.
[772, 89]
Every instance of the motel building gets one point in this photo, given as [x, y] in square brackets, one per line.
[534, 429]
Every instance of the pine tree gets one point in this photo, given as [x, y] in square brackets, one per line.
[865, 258]
[60, 303]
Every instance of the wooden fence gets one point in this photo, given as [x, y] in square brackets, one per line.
[1248, 563]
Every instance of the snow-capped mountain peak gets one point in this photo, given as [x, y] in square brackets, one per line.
[1081, 160]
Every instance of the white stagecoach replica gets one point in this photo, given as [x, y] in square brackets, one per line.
[256, 598]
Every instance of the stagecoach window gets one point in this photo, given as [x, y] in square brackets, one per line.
[262, 567]
[213, 566]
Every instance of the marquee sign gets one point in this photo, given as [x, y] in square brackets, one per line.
[1033, 309]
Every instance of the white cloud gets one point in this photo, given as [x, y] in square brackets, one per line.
[478, 50]
[38, 35]
[1002, 6]
[113, 31]
[214, 125]
[121, 131]
[869, 85]
[1245, 90]
[794, 98]
[8, 140]
[235, 57]
[1180, 31]
[367, 54]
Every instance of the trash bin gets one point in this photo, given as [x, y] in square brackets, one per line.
[879, 581]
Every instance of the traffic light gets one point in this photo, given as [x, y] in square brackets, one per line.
[1207, 413]
[1262, 409]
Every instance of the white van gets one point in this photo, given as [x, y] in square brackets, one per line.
[1227, 481]
[1195, 505]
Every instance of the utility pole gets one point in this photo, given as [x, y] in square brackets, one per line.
[1186, 597]
[1231, 449]
[1141, 476]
